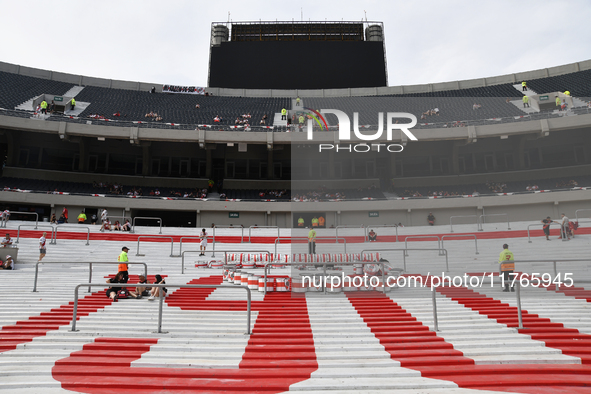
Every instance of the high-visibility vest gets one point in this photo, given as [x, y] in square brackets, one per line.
[122, 258]
[321, 221]
[525, 99]
[301, 119]
[300, 221]
[567, 93]
[506, 260]
[73, 101]
[311, 236]
[557, 101]
[44, 104]
[81, 217]
[315, 222]
[283, 111]
[523, 83]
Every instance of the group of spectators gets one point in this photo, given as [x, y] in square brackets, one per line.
[566, 183]
[243, 119]
[314, 196]
[197, 193]
[154, 116]
[268, 194]
[496, 187]
[430, 112]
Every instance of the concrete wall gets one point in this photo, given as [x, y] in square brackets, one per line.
[433, 87]
[526, 207]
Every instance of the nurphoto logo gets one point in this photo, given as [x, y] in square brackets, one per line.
[345, 129]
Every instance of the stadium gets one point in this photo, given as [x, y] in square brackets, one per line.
[299, 185]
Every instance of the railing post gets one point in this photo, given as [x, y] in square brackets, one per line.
[36, 274]
[248, 307]
[404, 258]
[89, 275]
[434, 299]
[160, 302]
[555, 275]
[518, 292]
[383, 279]
[75, 312]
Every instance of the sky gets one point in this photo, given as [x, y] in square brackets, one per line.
[167, 42]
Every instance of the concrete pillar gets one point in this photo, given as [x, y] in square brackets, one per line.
[208, 164]
[270, 164]
[146, 159]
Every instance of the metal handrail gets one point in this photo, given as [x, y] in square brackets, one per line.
[380, 226]
[517, 294]
[535, 224]
[181, 245]
[278, 241]
[5, 222]
[223, 226]
[493, 214]
[73, 226]
[579, 210]
[441, 252]
[347, 226]
[554, 261]
[137, 253]
[161, 299]
[422, 237]
[251, 227]
[464, 235]
[225, 252]
[51, 239]
[324, 268]
[451, 228]
[147, 218]
[84, 262]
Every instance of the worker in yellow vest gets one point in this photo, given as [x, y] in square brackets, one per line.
[43, 106]
[312, 241]
[314, 221]
[523, 86]
[301, 222]
[81, 218]
[283, 114]
[123, 266]
[525, 101]
[557, 101]
[506, 260]
[73, 103]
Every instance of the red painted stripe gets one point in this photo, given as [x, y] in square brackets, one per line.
[124, 236]
[37, 326]
[272, 361]
[437, 359]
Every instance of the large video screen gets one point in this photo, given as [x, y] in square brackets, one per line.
[297, 65]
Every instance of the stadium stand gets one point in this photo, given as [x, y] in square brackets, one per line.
[177, 108]
[16, 89]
